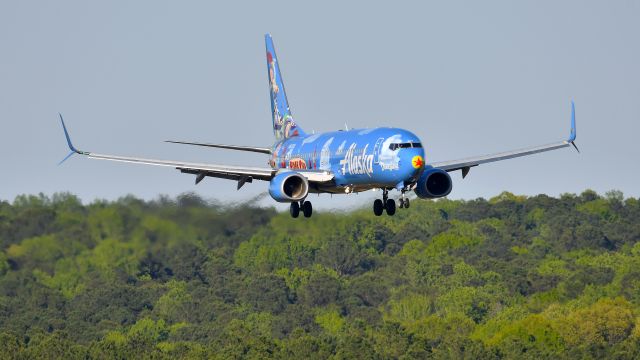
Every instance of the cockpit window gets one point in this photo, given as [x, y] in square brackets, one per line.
[396, 146]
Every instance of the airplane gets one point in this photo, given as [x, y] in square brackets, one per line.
[338, 162]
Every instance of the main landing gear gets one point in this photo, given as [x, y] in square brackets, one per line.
[380, 205]
[305, 206]
[385, 204]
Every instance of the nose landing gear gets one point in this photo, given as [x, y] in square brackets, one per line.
[404, 201]
[305, 206]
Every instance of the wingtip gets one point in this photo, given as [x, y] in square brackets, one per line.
[66, 135]
[573, 134]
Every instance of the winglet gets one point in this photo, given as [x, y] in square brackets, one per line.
[71, 147]
[572, 135]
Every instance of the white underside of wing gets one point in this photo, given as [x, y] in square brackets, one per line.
[240, 170]
[212, 169]
[477, 160]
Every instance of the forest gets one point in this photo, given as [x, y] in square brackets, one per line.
[524, 277]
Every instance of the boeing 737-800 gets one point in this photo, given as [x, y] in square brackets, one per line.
[338, 162]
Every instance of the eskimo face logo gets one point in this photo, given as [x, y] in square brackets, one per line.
[417, 162]
[357, 163]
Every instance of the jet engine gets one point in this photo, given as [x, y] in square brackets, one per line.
[433, 183]
[288, 187]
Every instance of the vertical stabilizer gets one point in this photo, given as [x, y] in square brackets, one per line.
[283, 124]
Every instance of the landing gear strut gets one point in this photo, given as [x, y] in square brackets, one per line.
[305, 206]
[404, 201]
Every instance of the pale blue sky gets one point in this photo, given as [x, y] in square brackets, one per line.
[467, 77]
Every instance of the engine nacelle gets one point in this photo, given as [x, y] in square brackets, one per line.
[288, 187]
[433, 183]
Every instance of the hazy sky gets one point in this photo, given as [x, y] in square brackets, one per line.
[469, 78]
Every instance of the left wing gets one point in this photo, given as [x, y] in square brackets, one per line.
[263, 150]
[466, 164]
[239, 173]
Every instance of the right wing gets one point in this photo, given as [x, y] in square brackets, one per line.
[239, 173]
[468, 163]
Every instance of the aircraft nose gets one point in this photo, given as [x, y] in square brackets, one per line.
[412, 162]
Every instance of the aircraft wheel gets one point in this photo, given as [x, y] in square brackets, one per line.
[391, 207]
[378, 207]
[307, 209]
[401, 203]
[294, 209]
[406, 203]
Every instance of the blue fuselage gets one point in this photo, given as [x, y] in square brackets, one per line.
[360, 159]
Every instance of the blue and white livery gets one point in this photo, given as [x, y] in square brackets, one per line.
[336, 162]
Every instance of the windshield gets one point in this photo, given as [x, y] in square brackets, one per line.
[396, 146]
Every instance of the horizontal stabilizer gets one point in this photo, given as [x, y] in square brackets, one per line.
[262, 150]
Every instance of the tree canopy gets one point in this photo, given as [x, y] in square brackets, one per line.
[508, 277]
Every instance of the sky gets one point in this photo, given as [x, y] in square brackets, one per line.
[467, 77]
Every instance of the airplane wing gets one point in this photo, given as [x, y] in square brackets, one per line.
[466, 164]
[263, 150]
[239, 173]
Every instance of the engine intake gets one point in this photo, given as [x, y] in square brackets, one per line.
[288, 187]
[433, 183]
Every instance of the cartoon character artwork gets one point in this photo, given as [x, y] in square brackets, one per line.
[315, 157]
[283, 156]
[340, 150]
[275, 156]
[325, 155]
[283, 125]
[388, 159]
[275, 89]
[289, 127]
[297, 164]
[289, 152]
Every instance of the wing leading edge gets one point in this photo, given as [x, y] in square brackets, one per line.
[262, 150]
[466, 164]
[239, 173]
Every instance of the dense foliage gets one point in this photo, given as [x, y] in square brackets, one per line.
[509, 277]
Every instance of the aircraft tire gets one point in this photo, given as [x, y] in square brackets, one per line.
[307, 209]
[401, 203]
[406, 203]
[294, 209]
[391, 207]
[378, 207]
